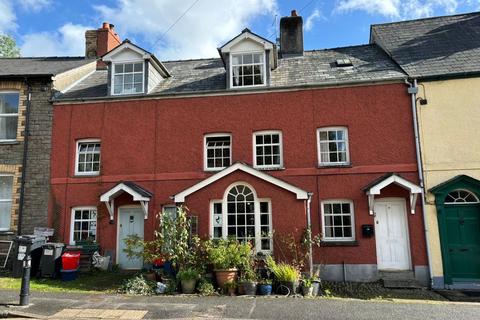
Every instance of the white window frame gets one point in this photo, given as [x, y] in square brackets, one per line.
[72, 221]
[90, 173]
[8, 200]
[205, 158]
[347, 148]
[254, 143]
[11, 115]
[169, 206]
[352, 219]
[264, 69]
[112, 77]
[257, 215]
[462, 203]
[212, 218]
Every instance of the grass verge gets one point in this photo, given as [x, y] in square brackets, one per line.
[94, 282]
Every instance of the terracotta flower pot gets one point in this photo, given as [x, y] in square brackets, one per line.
[224, 276]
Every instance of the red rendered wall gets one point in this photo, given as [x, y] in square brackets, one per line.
[159, 144]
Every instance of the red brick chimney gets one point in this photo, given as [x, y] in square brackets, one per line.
[100, 41]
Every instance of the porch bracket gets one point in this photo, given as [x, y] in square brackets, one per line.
[145, 208]
[413, 202]
[111, 208]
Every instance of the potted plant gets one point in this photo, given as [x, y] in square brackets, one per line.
[248, 283]
[287, 276]
[265, 287]
[307, 287]
[188, 279]
[226, 256]
[230, 287]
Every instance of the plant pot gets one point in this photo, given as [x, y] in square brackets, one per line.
[250, 288]
[188, 286]
[150, 276]
[224, 276]
[265, 289]
[241, 289]
[231, 291]
[287, 287]
[307, 291]
[316, 287]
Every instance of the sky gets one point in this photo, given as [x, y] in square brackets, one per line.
[189, 29]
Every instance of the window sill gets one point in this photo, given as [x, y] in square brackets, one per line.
[86, 175]
[333, 165]
[6, 232]
[7, 142]
[269, 168]
[334, 243]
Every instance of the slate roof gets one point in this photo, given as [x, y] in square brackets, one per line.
[41, 66]
[370, 64]
[138, 189]
[433, 47]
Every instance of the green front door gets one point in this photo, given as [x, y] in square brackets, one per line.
[462, 241]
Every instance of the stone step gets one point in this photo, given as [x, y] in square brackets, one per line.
[401, 284]
[396, 275]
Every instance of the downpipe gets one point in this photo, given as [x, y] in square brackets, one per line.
[309, 228]
[413, 90]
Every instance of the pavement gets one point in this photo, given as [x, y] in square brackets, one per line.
[101, 306]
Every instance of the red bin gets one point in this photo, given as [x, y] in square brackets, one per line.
[70, 260]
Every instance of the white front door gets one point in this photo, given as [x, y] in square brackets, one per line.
[130, 222]
[391, 234]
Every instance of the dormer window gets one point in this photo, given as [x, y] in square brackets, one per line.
[133, 70]
[248, 59]
[248, 69]
[128, 78]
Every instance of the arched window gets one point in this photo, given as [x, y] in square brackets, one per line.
[461, 197]
[243, 216]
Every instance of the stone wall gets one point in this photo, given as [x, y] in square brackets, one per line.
[37, 171]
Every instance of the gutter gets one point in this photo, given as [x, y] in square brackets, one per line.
[24, 157]
[413, 90]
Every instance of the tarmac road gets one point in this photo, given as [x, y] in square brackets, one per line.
[193, 307]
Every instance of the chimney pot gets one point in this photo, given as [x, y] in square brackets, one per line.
[105, 25]
[294, 13]
[112, 26]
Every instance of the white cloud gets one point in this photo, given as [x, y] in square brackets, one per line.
[311, 19]
[7, 17]
[206, 26]
[400, 9]
[34, 5]
[68, 40]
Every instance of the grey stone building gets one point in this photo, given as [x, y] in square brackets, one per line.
[27, 86]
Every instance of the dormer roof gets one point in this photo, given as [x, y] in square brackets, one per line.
[247, 36]
[127, 45]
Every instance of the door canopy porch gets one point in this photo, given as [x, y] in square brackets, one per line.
[239, 166]
[376, 186]
[137, 192]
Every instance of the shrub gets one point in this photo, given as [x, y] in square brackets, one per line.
[138, 285]
[172, 241]
[229, 254]
[188, 274]
[283, 272]
[205, 288]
